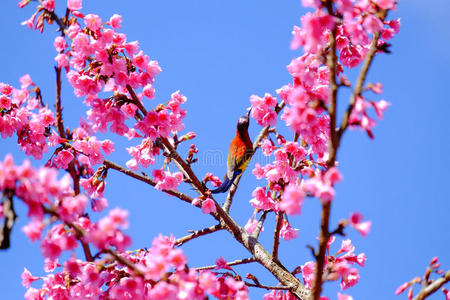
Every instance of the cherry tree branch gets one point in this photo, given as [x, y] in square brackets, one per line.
[198, 233]
[433, 287]
[9, 216]
[146, 179]
[266, 286]
[232, 263]
[332, 152]
[124, 261]
[335, 138]
[276, 235]
[361, 79]
[261, 221]
[79, 232]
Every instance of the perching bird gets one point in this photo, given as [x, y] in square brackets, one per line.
[238, 155]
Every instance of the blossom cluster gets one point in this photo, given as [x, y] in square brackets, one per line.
[163, 274]
[162, 270]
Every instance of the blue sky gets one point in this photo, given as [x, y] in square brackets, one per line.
[218, 53]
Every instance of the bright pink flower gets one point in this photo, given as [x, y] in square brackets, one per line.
[380, 107]
[74, 4]
[5, 102]
[346, 246]
[308, 270]
[6, 89]
[332, 175]
[251, 225]
[350, 279]
[63, 159]
[23, 3]
[258, 171]
[33, 230]
[268, 147]
[372, 24]
[402, 288]
[386, 4]
[169, 181]
[177, 259]
[115, 21]
[93, 22]
[262, 200]
[119, 216]
[352, 55]
[325, 193]
[60, 43]
[25, 81]
[149, 91]
[208, 206]
[287, 232]
[50, 265]
[263, 109]
[221, 263]
[27, 278]
[49, 5]
[316, 26]
[292, 199]
[311, 3]
[355, 221]
[344, 297]
[208, 281]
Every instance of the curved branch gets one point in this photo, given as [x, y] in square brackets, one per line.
[232, 263]
[433, 287]
[198, 233]
[146, 179]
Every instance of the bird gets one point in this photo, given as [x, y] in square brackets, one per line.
[238, 155]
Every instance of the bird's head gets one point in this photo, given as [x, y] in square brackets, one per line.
[244, 122]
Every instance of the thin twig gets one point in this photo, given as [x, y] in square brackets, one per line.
[198, 233]
[433, 287]
[59, 119]
[266, 286]
[146, 179]
[79, 232]
[124, 261]
[361, 79]
[233, 263]
[261, 221]
[332, 152]
[335, 139]
[276, 235]
[9, 216]
[136, 100]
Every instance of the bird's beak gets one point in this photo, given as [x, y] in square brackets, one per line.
[249, 111]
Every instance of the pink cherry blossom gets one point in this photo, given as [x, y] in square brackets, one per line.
[74, 4]
[221, 263]
[287, 232]
[292, 199]
[27, 278]
[115, 21]
[49, 4]
[356, 222]
[208, 206]
[33, 230]
[344, 297]
[93, 22]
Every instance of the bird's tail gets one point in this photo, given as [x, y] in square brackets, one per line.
[226, 184]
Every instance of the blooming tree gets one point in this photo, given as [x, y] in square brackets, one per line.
[115, 78]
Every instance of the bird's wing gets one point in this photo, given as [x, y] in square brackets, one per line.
[236, 157]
